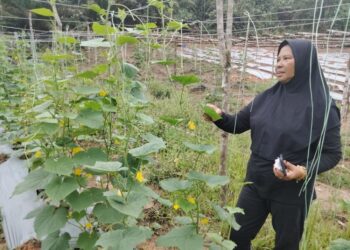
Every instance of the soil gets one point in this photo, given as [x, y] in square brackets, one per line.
[329, 196]
[2, 242]
[30, 245]
[3, 158]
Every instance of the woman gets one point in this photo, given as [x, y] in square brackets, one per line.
[298, 119]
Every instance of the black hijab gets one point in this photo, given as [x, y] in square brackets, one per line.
[291, 116]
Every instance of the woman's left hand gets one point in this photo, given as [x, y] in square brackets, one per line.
[293, 172]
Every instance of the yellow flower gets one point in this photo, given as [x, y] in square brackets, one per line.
[116, 142]
[61, 123]
[176, 206]
[119, 193]
[78, 171]
[89, 176]
[38, 154]
[76, 150]
[191, 125]
[88, 225]
[204, 221]
[139, 176]
[191, 200]
[102, 93]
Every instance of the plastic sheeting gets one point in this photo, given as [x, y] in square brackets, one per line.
[17, 230]
[14, 209]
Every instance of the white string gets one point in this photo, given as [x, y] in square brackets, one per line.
[131, 25]
[204, 21]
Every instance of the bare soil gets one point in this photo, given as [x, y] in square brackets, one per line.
[30, 245]
[3, 158]
[329, 196]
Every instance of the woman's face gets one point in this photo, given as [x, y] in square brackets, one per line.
[285, 67]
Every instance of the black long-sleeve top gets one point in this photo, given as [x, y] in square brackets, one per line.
[260, 170]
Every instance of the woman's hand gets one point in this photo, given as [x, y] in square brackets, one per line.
[293, 172]
[215, 108]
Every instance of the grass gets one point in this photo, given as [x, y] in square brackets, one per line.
[338, 177]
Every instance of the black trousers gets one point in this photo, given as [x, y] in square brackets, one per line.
[287, 220]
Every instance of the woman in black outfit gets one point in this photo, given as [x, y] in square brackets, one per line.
[298, 119]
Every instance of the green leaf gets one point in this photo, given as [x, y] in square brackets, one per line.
[145, 119]
[220, 242]
[122, 39]
[67, 40]
[101, 68]
[45, 128]
[126, 239]
[87, 241]
[144, 190]
[61, 166]
[171, 120]
[185, 205]
[132, 206]
[122, 14]
[156, 46]
[49, 220]
[87, 74]
[95, 7]
[92, 105]
[137, 94]
[183, 220]
[43, 12]
[129, 70]
[90, 157]
[86, 90]
[339, 244]
[200, 148]
[60, 187]
[156, 3]
[146, 26]
[154, 145]
[229, 216]
[174, 25]
[41, 107]
[211, 180]
[36, 179]
[107, 167]
[175, 184]
[186, 79]
[164, 202]
[56, 242]
[65, 141]
[103, 30]
[164, 62]
[109, 108]
[107, 215]
[77, 216]
[184, 238]
[91, 74]
[80, 201]
[90, 118]
[211, 113]
[34, 213]
[96, 43]
[49, 57]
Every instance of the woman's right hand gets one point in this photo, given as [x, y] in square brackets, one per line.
[215, 108]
